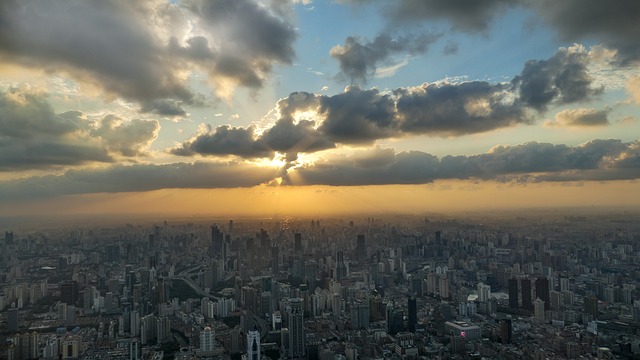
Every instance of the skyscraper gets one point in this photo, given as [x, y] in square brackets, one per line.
[295, 318]
[69, 292]
[217, 238]
[12, 320]
[361, 247]
[253, 344]
[526, 294]
[542, 291]
[341, 267]
[413, 313]
[539, 310]
[513, 293]
[297, 242]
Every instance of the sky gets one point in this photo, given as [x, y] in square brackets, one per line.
[304, 107]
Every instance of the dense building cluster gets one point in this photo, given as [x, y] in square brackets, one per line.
[369, 288]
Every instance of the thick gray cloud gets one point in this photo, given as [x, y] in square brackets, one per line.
[359, 60]
[458, 109]
[33, 136]
[139, 177]
[563, 78]
[615, 24]
[358, 116]
[131, 49]
[223, 141]
[595, 160]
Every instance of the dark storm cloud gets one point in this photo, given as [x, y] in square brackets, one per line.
[131, 49]
[119, 178]
[223, 141]
[562, 78]
[359, 60]
[595, 160]
[615, 24]
[458, 109]
[33, 136]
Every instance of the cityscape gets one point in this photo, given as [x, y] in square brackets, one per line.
[539, 287]
[319, 179]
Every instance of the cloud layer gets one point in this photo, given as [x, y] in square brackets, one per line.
[33, 136]
[529, 162]
[360, 116]
[595, 160]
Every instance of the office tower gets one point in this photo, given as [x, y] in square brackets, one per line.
[341, 267]
[163, 329]
[444, 286]
[135, 351]
[217, 239]
[361, 247]
[295, 318]
[542, 291]
[12, 320]
[513, 293]
[484, 292]
[297, 242]
[538, 310]
[438, 237]
[506, 331]
[207, 340]
[8, 238]
[69, 292]
[590, 306]
[563, 283]
[431, 283]
[253, 344]
[134, 323]
[151, 242]
[412, 308]
[526, 294]
[359, 316]
[230, 225]
[275, 268]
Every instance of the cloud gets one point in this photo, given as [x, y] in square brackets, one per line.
[573, 20]
[577, 20]
[138, 177]
[33, 136]
[224, 141]
[357, 116]
[126, 138]
[456, 109]
[580, 117]
[359, 60]
[143, 51]
[563, 78]
[467, 15]
[594, 160]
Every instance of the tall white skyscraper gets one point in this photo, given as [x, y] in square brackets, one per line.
[253, 344]
[538, 310]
